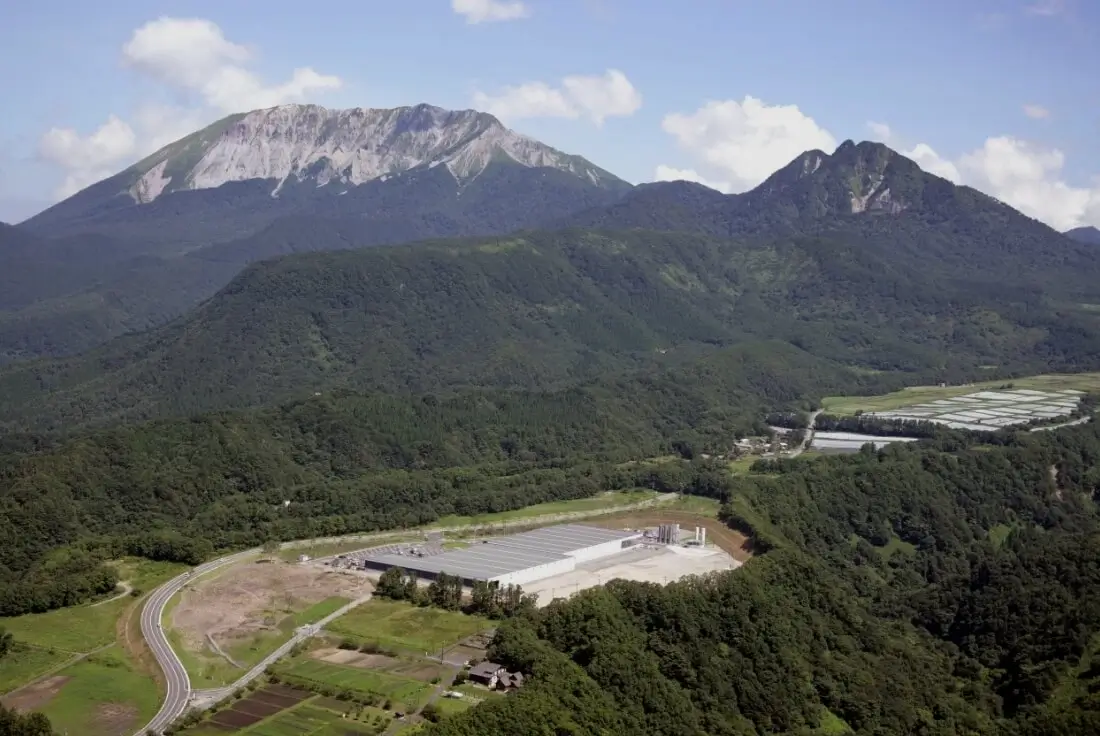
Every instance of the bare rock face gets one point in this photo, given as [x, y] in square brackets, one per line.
[343, 147]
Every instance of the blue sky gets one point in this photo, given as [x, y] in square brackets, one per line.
[999, 94]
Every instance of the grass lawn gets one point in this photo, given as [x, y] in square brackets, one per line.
[87, 627]
[104, 694]
[922, 394]
[327, 549]
[600, 502]
[450, 706]
[316, 612]
[77, 629]
[407, 627]
[398, 689]
[24, 663]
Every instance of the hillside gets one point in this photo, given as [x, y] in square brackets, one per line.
[1088, 235]
[542, 310]
[353, 462]
[869, 194]
[945, 591]
[124, 255]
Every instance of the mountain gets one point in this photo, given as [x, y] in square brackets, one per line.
[868, 193]
[543, 310]
[246, 170]
[145, 245]
[1088, 235]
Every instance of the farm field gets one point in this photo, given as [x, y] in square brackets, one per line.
[279, 710]
[406, 627]
[414, 668]
[922, 394]
[408, 692]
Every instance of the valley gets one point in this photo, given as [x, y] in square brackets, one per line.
[247, 373]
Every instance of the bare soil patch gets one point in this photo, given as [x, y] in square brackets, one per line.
[114, 719]
[286, 691]
[252, 598]
[35, 695]
[234, 719]
[353, 658]
[733, 543]
[257, 708]
[282, 701]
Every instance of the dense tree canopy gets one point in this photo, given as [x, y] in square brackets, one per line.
[942, 588]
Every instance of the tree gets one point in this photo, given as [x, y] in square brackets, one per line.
[6, 642]
[392, 584]
[14, 723]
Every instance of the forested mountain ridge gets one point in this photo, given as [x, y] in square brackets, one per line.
[942, 589]
[542, 309]
[386, 176]
[350, 462]
[867, 193]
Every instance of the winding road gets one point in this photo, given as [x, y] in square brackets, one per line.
[175, 675]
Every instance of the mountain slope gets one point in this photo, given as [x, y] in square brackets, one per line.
[1087, 234]
[294, 159]
[870, 194]
[540, 310]
[145, 245]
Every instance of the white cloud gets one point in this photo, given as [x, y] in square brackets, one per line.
[1021, 174]
[184, 55]
[594, 97]
[487, 11]
[1036, 112]
[668, 173]
[742, 143]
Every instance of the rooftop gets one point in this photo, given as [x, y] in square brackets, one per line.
[501, 555]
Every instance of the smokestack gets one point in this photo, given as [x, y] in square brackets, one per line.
[703, 539]
[696, 537]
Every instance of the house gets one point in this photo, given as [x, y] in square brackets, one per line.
[510, 681]
[486, 673]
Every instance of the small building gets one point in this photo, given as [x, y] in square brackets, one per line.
[510, 681]
[487, 673]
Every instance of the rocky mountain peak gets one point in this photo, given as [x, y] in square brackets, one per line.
[297, 143]
[855, 178]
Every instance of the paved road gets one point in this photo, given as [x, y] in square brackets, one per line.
[808, 437]
[179, 684]
[1053, 427]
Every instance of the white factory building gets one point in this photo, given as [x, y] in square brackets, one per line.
[515, 559]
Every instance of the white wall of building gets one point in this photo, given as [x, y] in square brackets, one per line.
[538, 572]
[597, 551]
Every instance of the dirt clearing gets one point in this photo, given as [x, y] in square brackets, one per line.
[256, 597]
[36, 695]
[116, 719]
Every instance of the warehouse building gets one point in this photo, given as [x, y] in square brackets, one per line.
[515, 559]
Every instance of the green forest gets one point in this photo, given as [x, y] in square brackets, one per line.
[347, 462]
[945, 588]
[548, 310]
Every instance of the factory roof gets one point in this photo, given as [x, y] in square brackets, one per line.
[484, 560]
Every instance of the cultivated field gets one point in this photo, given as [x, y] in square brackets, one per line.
[226, 623]
[279, 710]
[400, 626]
[409, 667]
[1086, 382]
[407, 692]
